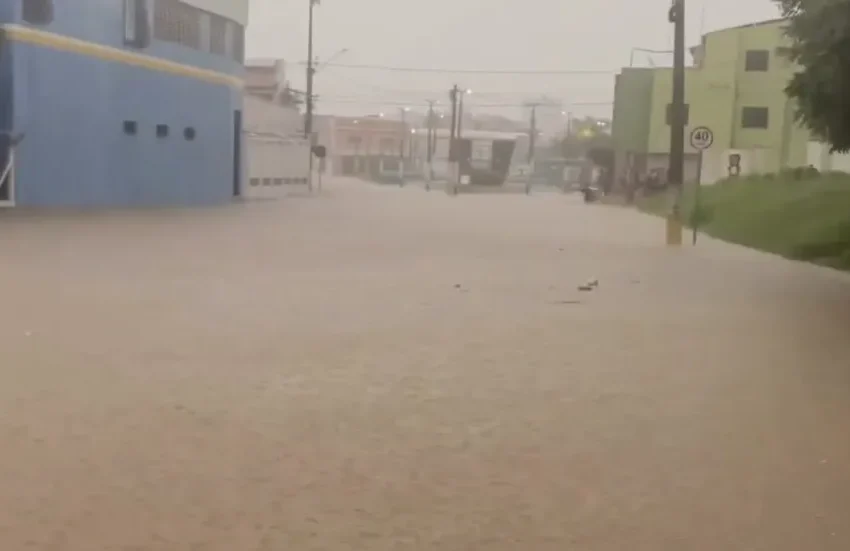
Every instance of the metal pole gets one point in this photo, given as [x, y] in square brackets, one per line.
[677, 124]
[453, 162]
[695, 213]
[401, 147]
[460, 116]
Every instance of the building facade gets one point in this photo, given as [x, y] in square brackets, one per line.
[735, 87]
[121, 102]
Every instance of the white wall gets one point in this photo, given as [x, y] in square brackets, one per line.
[274, 166]
[820, 158]
[237, 10]
[264, 117]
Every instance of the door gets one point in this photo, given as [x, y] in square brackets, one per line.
[237, 153]
[7, 175]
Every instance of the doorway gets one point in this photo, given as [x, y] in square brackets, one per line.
[7, 176]
[237, 153]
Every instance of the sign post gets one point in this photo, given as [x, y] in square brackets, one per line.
[702, 138]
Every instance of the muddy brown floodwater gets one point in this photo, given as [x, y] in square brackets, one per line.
[382, 369]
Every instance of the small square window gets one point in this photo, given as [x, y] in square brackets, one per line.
[255, 181]
[131, 128]
[189, 133]
[757, 60]
[278, 181]
[267, 181]
[755, 117]
[162, 131]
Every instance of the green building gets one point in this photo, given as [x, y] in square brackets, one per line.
[735, 87]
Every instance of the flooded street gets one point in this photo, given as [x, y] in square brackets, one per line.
[387, 369]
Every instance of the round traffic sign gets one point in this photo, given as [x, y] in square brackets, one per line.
[702, 138]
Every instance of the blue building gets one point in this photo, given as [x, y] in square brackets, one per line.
[120, 102]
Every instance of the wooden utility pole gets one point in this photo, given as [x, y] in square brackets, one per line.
[532, 134]
[678, 116]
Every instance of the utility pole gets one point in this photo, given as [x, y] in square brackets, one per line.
[311, 71]
[532, 134]
[460, 115]
[675, 174]
[453, 94]
[402, 143]
[430, 139]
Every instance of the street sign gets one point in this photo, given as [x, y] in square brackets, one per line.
[702, 138]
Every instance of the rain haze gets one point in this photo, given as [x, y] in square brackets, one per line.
[486, 35]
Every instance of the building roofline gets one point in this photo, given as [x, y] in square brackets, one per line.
[750, 25]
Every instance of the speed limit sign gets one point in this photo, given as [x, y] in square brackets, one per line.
[702, 138]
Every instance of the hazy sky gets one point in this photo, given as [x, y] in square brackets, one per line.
[477, 34]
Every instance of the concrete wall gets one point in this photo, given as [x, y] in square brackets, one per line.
[264, 117]
[274, 164]
[819, 156]
[71, 105]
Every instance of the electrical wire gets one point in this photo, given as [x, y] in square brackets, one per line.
[444, 71]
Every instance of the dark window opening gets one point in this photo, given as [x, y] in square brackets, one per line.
[189, 133]
[255, 181]
[757, 60]
[38, 12]
[755, 117]
[131, 128]
[162, 131]
[218, 35]
[278, 181]
[670, 114]
[238, 43]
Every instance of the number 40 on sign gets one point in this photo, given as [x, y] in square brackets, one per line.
[702, 138]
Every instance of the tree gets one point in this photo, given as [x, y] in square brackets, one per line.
[819, 31]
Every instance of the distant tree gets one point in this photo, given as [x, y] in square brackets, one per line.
[819, 31]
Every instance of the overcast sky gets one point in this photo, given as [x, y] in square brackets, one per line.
[477, 34]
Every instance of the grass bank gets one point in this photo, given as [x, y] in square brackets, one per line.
[797, 214]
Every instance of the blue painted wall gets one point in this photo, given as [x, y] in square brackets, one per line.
[71, 109]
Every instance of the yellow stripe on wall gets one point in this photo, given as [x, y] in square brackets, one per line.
[19, 33]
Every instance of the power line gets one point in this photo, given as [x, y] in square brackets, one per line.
[471, 71]
[400, 103]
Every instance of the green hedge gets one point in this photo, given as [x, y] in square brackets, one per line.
[798, 214]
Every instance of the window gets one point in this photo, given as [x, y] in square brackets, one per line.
[137, 23]
[130, 128]
[670, 114]
[177, 22]
[189, 133]
[162, 131]
[218, 34]
[255, 181]
[757, 60]
[754, 117]
[238, 42]
[38, 12]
